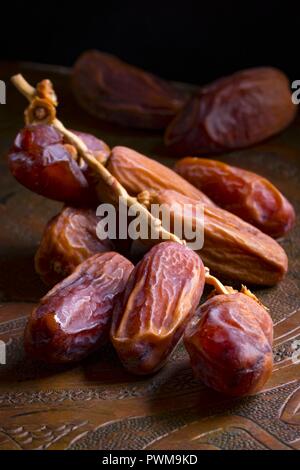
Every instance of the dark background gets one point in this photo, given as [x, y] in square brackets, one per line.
[193, 41]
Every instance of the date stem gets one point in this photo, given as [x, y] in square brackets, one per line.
[31, 94]
[213, 281]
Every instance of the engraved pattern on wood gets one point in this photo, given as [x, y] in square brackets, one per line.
[38, 437]
[291, 410]
[231, 439]
[259, 416]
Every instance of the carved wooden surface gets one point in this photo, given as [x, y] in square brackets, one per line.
[97, 405]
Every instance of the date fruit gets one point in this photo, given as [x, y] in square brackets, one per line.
[162, 294]
[230, 344]
[43, 163]
[233, 249]
[69, 238]
[246, 194]
[74, 318]
[110, 89]
[234, 112]
[99, 149]
[138, 173]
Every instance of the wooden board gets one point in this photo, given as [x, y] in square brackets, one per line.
[97, 405]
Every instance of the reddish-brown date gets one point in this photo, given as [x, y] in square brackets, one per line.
[162, 294]
[41, 161]
[137, 173]
[99, 149]
[246, 194]
[68, 239]
[234, 112]
[74, 318]
[232, 249]
[112, 90]
[230, 344]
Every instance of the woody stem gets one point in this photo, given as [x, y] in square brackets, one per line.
[213, 281]
[30, 93]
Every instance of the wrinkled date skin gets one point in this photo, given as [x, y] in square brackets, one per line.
[230, 344]
[233, 249]
[68, 239]
[40, 160]
[234, 112]
[112, 90]
[74, 318]
[162, 294]
[137, 173]
[246, 194]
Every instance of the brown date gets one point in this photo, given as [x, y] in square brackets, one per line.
[230, 344]
[137, 173]
[68, 239]
[110, 89]
[233, 249]
[246, 194]
[99, 149]
[234, 112]
[74, 318]
[43, 163]
[162, 294]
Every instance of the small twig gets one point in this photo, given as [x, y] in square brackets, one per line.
[23, 86]
[213, 281]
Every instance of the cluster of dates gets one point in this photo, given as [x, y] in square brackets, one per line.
[145, 309]
[233, 112]
[98, 295]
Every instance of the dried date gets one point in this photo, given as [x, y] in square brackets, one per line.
[230, 344]
[137, 173]
[74, 318]
[162, 294]
[68, 239]
[246, 194]
[110, 89]
[45, 164]
[233, 249]
[100, 151]
[233, 112]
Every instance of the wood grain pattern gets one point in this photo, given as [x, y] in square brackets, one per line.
[96, 404]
